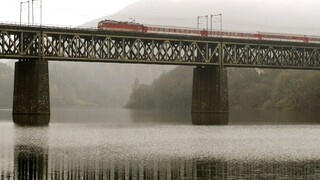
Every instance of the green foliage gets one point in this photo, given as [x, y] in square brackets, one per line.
[298, 91]
[78, 84]
[89, 85]
[248, 89]
[141, 97]
[170, 91]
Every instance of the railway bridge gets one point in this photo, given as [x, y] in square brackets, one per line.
[34, 46]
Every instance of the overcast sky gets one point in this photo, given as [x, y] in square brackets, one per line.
[61, 12]
[285, 16]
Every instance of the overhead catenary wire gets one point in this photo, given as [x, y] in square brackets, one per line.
[186, 20]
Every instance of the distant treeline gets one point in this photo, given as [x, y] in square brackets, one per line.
[248, 89]
[90, 85]
[80, 84]
[70, 85]
[172, 90]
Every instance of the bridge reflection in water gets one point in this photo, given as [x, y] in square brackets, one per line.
[35, 159]
[33, 164]
[31, 120]
[30, 149]
[35, 154]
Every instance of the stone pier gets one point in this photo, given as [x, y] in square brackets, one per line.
[31, 90]
[210, 96]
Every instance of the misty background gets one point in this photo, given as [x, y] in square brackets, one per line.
[156, 86]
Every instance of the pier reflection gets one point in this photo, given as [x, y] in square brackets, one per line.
[32, 162]
[31, 153]
[210, 118]
[184, 169]
[31, 120]
[166, 117]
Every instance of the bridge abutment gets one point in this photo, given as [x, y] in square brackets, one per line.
[31, 88]
[210, 104]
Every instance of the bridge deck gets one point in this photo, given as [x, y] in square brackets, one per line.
[93, 45]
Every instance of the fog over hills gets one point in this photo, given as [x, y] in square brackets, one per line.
[73, 83]
[285, 16]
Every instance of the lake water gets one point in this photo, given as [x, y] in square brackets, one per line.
[123, 144]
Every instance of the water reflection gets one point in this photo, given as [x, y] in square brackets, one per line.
[161, 169]
[171, 148]
[66, 168]
[31, 162]
[160, 116]
[219, 169]
[210, 118]
[5, 114]
[6, 151]
[273, 117]
[30, 153]
[31, 120]
[35, 157]
[118, 116]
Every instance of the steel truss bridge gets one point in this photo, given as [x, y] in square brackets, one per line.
[93, 45]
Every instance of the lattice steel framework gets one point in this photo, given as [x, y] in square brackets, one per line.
[63, 44]
[291, 55]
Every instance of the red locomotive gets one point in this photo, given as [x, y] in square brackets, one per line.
[136, 27]
[120, 26]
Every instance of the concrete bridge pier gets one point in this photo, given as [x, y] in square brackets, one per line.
[31, 92]
[210, 96]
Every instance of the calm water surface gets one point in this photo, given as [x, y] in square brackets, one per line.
[123, 144]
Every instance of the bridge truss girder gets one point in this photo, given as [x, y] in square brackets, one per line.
[273, 56]
[18, 42]
[128, 49]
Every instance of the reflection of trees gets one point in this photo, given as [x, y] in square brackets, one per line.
[32, 163]
[73, 168]
[218, 169]
[210, 118]
[161, 116]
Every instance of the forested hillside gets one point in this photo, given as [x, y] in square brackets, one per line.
[94, 84]
[172, 90]
[83, 84]
[248, 89]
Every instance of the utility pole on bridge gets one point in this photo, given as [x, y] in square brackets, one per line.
[31, 100]
[210, 104]
[21, 4]
[211, 21]
[32, 4]
[198, 21]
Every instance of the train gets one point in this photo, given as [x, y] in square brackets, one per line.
[137, 27]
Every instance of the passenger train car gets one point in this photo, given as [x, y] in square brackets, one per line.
[136, 27]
